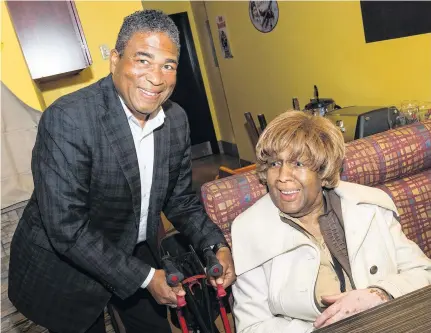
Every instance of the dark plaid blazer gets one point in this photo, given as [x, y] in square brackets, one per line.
[73, 245]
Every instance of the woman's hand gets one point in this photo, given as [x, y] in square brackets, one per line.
[347, 304]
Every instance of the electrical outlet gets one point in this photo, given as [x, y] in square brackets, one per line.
[105, 51]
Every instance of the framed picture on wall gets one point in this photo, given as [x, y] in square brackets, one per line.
[263, 14]
[223, 37]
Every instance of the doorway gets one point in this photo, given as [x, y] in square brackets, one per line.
[190, 93]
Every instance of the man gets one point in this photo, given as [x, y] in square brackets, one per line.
[108, 160]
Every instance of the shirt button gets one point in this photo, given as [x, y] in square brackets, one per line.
[373, 269]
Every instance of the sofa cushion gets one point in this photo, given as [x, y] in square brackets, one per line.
[388, 155]
[412, 196]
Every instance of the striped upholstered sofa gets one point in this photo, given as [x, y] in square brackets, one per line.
[397, 161]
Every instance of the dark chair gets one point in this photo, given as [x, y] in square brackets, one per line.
[252, 130]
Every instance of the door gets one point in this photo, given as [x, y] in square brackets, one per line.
[190, 93]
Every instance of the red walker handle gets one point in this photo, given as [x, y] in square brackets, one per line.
[215, 270]
[220, 291]
[181, 301]
[182, 321]
[220, 294]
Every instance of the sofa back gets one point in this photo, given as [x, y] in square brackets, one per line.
[388, 155]
[397, 161]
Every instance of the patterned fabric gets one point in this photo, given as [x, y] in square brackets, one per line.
[381, 159]
[226, 198]
[388, 155]
[412, 196]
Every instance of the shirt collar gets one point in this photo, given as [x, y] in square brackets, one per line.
[157, 121]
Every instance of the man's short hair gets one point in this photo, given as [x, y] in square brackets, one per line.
[148, 20]
[314, 139]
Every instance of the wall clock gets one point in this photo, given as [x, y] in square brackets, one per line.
[263, 14]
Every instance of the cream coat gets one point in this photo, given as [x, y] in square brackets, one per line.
[277, 265]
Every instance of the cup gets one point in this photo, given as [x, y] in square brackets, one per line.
[424, 111]
[410, 109]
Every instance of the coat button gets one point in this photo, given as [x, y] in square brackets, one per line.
[373, 269]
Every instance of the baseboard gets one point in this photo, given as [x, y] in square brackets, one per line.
[228, 148]
[201, 150]
[244, 163]
[231, 149]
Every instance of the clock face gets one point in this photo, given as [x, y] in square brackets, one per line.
[263, 14]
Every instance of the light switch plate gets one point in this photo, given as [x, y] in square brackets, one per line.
[105, 51]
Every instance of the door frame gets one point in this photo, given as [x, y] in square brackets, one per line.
[197, 73]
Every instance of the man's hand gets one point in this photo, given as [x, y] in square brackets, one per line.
[162, 293]
[347, 304]
[225, 259]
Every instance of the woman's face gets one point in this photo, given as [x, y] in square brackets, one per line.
[294, 188]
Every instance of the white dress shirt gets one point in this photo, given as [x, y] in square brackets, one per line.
[144, 145]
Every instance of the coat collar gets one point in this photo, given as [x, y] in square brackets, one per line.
[360, 194]
[115, 124]
[358, 204]
[259, 235]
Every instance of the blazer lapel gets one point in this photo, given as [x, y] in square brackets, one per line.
[160, 176]
[117, 130]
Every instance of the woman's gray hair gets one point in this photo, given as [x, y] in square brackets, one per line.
[148, 20]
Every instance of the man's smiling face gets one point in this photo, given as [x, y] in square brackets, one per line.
[146, 73]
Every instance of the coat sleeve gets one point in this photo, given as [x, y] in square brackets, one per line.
[414, 267]
[184, 209]
[61, 166]
[251, 307]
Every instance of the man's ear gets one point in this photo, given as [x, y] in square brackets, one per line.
[114, 58]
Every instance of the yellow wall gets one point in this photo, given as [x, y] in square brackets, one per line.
[318, 43]
[14, 71]
[314, 43]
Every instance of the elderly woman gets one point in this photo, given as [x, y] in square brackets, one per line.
[315, 250]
